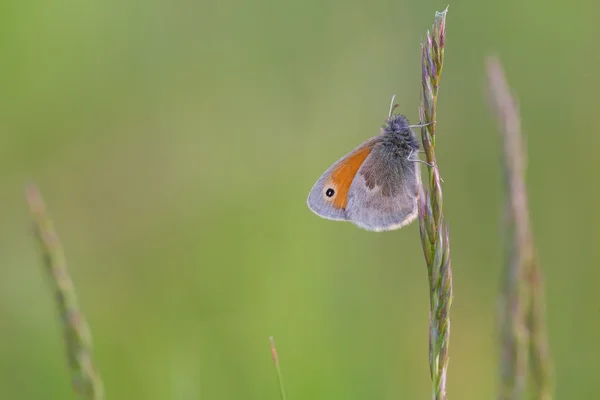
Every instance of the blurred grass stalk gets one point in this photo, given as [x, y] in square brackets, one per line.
[434, 231]
[84, 379]
[277, 368]
[524, 340]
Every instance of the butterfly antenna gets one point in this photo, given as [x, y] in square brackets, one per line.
[392, 106]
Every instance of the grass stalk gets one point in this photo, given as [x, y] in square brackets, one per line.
[434, 231]
[524, 341]
[277, 368]
[85, 380]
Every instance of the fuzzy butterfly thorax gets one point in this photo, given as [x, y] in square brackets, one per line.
[397, 134]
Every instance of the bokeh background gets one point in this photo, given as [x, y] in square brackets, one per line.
[175, 143]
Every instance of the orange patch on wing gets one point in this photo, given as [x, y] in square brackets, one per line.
[344, 174]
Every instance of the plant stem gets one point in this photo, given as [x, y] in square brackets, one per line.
[277, 368]
[85, 380]
[434, 231]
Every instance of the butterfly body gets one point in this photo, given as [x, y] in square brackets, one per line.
[376, 185]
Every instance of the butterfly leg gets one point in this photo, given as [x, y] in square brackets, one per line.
[421, 161]
[417, 160]
[419, 125]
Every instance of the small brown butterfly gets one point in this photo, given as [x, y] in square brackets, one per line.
[375, 186]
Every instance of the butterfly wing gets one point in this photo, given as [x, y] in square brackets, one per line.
[383, 195]
[329, 196]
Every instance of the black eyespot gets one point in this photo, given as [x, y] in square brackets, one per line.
[330, 192]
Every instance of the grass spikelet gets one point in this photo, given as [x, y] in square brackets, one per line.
[435, 237]
[524, 343]
[85, 380]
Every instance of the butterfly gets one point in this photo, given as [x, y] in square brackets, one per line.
[376, 185]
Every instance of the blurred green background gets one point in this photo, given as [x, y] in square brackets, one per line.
[175, 143]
